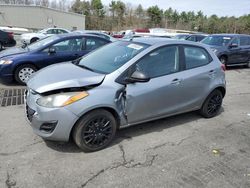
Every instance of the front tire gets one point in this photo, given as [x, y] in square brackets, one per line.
[95, 130]
[212, 104]
[23, 73]
[223, 60]
[248, 64]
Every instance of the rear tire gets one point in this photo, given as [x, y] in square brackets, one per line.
[33, 40]
[212, 104]
[23, 73]
[248, 64]
[95, 130]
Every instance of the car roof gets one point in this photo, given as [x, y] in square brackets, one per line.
[229, 35]
[69, 35]
[150, 40]
[163, 41]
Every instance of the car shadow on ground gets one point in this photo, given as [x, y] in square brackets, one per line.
[236, 68]
[133, 131]
[12, 84]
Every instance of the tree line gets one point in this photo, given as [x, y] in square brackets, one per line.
[120, 16]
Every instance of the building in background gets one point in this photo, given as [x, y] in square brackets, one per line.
[38, 17]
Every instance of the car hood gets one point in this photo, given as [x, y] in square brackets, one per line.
[63, 76]
[12, 51]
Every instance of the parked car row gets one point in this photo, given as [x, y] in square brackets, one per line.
[29, 38]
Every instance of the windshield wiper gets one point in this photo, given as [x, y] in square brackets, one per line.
[85, 67]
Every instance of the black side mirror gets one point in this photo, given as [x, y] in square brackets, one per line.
[138, 76]
[52, 50]
[233, 45]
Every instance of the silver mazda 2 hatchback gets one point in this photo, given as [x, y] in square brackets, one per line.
[122, 84]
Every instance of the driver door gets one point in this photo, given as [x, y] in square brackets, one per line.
[158, 97]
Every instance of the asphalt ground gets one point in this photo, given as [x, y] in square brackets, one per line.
[181, 151]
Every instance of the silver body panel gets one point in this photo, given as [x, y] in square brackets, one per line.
[133, 103]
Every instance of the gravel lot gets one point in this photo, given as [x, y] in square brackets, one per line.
[181, 151]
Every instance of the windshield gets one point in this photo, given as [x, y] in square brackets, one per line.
[217, 40]
[111, 57]
[42, 43]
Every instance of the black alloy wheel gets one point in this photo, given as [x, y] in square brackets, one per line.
[95, 130]
[212, 104]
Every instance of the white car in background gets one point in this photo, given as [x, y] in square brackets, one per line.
[29, 38]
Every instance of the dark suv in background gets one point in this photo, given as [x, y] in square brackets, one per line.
[6, 39]
[231, 49]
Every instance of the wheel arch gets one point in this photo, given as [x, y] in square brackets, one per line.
[24, 63]
[34, 38]
[107, 108]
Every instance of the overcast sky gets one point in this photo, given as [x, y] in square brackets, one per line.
[208, 7]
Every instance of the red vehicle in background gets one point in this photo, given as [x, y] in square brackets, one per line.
[121, 34]
[6, 39]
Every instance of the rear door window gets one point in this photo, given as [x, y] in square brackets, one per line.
[244, 41]
[94, 43]
[196, 57]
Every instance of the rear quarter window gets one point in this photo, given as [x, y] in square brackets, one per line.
[196, 57]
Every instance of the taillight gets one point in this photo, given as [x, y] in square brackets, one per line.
[11, 35]
[223, 67]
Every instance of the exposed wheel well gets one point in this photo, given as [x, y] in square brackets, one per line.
[111, 110]
[222, 90]
[33, 39]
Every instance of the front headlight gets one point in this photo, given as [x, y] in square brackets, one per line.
[61, 99]
[5, 62]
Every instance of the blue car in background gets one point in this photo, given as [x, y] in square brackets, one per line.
[20, 63]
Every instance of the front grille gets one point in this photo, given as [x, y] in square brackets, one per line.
[29, 113]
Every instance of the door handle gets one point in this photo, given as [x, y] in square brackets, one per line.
[176, 81]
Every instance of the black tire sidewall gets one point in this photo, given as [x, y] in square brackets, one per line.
[16, 74]
[223, 58]
[80, 125]
[203, 110]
